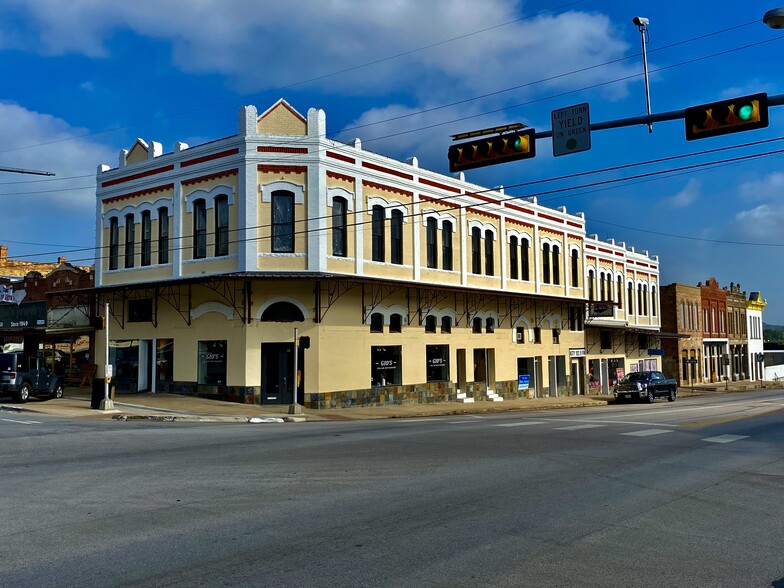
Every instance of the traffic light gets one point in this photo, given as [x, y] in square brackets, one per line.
[491, 150]
[99, 323]
[304, 342]
[727, 116]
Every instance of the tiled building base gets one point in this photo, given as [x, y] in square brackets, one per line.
[383, 395]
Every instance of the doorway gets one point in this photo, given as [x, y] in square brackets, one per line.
[277, 372]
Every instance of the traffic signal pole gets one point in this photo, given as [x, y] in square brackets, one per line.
[648, 119]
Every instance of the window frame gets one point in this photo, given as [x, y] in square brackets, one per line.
[221, 225]
[199, 228]
[282, 222]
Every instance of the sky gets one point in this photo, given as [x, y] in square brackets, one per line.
[83, 79]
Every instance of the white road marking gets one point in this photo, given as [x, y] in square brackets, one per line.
[725, 438]
[647, 432]
[613, 422]
[460, 422]
[522, 424]
[578, 427]
[22, 422]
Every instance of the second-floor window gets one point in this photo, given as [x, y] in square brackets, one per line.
[525, 268]
[476, 251]
[282, 222]
[146, 238]
[546, 263]
[431, 243]
[513, 263]
[489, 263]
[130, 240]
[378, 233]
[339, 242]
[396, 237]
[199, 229]
[556, 265]
[446, 245]
[114, 243]
[575, 270]
[163, 235]
[221, 225]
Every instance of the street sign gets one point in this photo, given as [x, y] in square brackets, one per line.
[571, 129]
[691, 361]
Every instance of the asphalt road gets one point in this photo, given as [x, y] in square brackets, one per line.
[669, 494]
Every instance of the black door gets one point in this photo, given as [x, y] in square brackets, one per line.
[277, 371]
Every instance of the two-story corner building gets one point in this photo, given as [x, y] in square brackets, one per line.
[411, 286]
[681, 316]
[756, 352]
[715, 344]
[737, 335]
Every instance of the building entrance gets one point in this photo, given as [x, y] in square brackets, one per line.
[277, 373]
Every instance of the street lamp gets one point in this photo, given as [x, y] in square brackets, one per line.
[774, 18]
[642, 24]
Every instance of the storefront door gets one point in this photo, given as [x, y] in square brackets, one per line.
[277, 365]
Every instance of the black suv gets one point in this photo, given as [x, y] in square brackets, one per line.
[23, 376]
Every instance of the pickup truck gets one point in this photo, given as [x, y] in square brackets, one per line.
[22, 376]
[647, 385]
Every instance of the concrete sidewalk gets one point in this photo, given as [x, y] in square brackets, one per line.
[176, 407]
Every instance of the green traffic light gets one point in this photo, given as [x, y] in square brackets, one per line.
[745, 111]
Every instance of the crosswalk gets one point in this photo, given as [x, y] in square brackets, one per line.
[649, 430]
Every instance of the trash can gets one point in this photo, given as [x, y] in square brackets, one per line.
[99, 392]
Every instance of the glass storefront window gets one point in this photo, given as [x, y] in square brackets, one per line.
[437, 363]
[124, 357]
[386, 367]
[212, 363]
[164, 358]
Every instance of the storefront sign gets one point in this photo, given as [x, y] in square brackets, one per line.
[577, 352]
[523, 382]
[656, 352]
[23, 316]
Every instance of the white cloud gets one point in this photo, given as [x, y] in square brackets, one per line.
[271, 45]
[763, 224]
[769, 187]
[690, 193]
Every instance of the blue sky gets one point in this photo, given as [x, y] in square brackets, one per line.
[83, 79]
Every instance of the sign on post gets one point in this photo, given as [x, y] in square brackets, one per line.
[571, 129]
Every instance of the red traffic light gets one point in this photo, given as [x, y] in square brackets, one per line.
[727, 116]
[491, 150]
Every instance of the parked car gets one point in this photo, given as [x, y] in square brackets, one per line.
[23, 376]
[648, 385]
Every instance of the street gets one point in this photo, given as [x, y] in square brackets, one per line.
[668, 494]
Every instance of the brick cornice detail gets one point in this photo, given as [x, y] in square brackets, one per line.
[338, 176]
[340, 157]
[191, 181]
[386, 170]
[211, 157]
[139, 193]
[386, 188]
[268, 149]
[145, 174]
[483, 213]
[433, 184]
[284, 169]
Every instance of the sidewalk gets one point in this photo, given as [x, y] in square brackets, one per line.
[175, 407]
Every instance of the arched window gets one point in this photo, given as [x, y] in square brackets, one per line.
[396, 323]
[396, 234]
[221, 225]
[432, 243]
[376, 322]
[199, 229]
[430, 324]
[653, 300]
[282, 312]
[446, 324]
[476, 325]
[446, 245]
[513, 262]
[525, 268]
[630, 297]
[490, 325]
[619, 292]
[130, 240]
[163, 235]
[378, 233]
[339, 241]
[114, 243]
[590, 284]
[556, 265]
[282, 222]
[640, 307]
[645, 299]
[489, 263]
[146, 238]
[546, 263]
[476, 251]
[575, 270]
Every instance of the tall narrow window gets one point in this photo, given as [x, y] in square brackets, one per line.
[476, 251]
[590, 284]
[446, 324]
[378, 233]
[199, 229]
[645, 299]
[546, 263]
[396, 237]
[630, 298]
[446, 245]
[221, 225]
[575, 270]
[513, 263]
[146, 238]
[653, 300]
[525, 268]
[114, 243]
[619, 293]
[489, 263]
[640, 307]
[282, 222]
[432, 244]
[339, 242]
[163, 235]
[130, 240]
[556, 265]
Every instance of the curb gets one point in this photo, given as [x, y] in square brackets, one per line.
[207, 419]
[6, 408]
